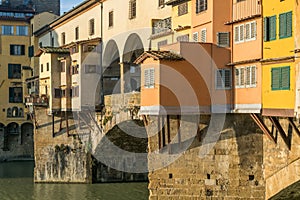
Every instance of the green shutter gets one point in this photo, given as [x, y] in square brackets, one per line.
[10, 71]
[285, 78]
[275, 78]
[11, 95]
[272, 27]
[282, 25]
[289, 21]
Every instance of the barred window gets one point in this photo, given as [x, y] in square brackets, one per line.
[132, 9]
[203, 35]
[201, 5]
[182, 9]
[223, 39]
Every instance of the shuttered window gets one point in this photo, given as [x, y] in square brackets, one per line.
[203, 35]
[149, 79]
[280, 78]
[251, 76]
[240, 77]
[201, 5]
[182, 9]
[195, 37]
[14, 71]
[250, 31]
[223, 39]
[270, 28]
[91, 26]
[17, 50]
[245, 77]
[223, 79]
[183, 38]
[239, 33]
[285, 25]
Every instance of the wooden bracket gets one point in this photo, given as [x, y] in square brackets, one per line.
[262, 126]
[277, 125]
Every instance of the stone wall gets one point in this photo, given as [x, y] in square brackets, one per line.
[231, 169]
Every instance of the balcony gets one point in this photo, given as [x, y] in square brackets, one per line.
[161, 27]
[34, 100]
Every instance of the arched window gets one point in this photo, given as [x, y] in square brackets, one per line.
[15, 112]
[9, 113]
[13, 128]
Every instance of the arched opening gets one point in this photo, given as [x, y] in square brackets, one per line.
[21, 113]
[13, 128]
[27, 134]
[111, 69]
[15, 112]
[9, 112]
[132, 73]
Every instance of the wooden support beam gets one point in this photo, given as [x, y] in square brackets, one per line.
[260, 123]
[291, 121]
[279, 128]
[67, 123]
[53, 134]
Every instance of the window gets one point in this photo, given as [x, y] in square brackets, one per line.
[162, 43]
[92, 27]
[75, 69]
[182, 9]
[63, 38]
[57, 93]
[110, 18]
[9, 112]
[183, 38]
[17, 49]
[195, 37]
[270, 28]
[52, 41]
[7, 30]
[251, 76]
[22, 30]
[88, 47]
[15, 95]
[280, 78]
[42, 68]
[245, 77]
[223, 79]
[63, 66]
[223, 39]
[31, 51]
[240, 77]
[149, 78]
[90, 69]
[285, 25]
[201, 5]
[74, 49]
[14, 71]
[75, 91]
[203, 35]
[161, 2]
[47, 67]
[250, 31]
[77, 33]
[239, 33]
[132, 9]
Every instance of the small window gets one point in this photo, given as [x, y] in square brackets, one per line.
[223, 79]
[75, 69]
[74, 49]
[63, 38]
[31, 51]
[223, 39]
[77, 33]
[15, 95]
[47, 67]
[182, 9]
[132, 9]
[14, 71]
[110, 18]
[149, 79]
[280, 78]
[57, 93]
[17, 50]
[203, 35]
[161, 2]
[63, 66]
[250, 29]
[92, 27]
[42, 68]
[22, 30]
[251, 76]
[7, 30]
[201, 5]
[75, 91]
[239, 33]
[195, 37]
[183, 38]
[240, 77]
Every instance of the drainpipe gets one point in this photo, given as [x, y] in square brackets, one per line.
[101, 61]
[232, 67]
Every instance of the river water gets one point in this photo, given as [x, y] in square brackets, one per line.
[16, 183]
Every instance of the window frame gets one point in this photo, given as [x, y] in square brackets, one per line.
[132, 9]
[221, 73]
[92, 27]
[280, 87]
[201, 6]
[286, 26]
[149, 78]
[182, 9]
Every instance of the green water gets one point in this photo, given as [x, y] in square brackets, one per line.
[16, 183]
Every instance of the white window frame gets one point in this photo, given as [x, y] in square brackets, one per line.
[252, 82]
[241, 33]
[149, 78]
[222, 73]
[239, 83]
[252, 34]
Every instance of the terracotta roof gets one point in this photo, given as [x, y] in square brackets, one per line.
[52, 50]
[158, 55]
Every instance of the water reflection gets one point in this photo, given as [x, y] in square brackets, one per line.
[16, 184]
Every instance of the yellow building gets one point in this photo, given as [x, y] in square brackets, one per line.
[278, 63]
[14, 69]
